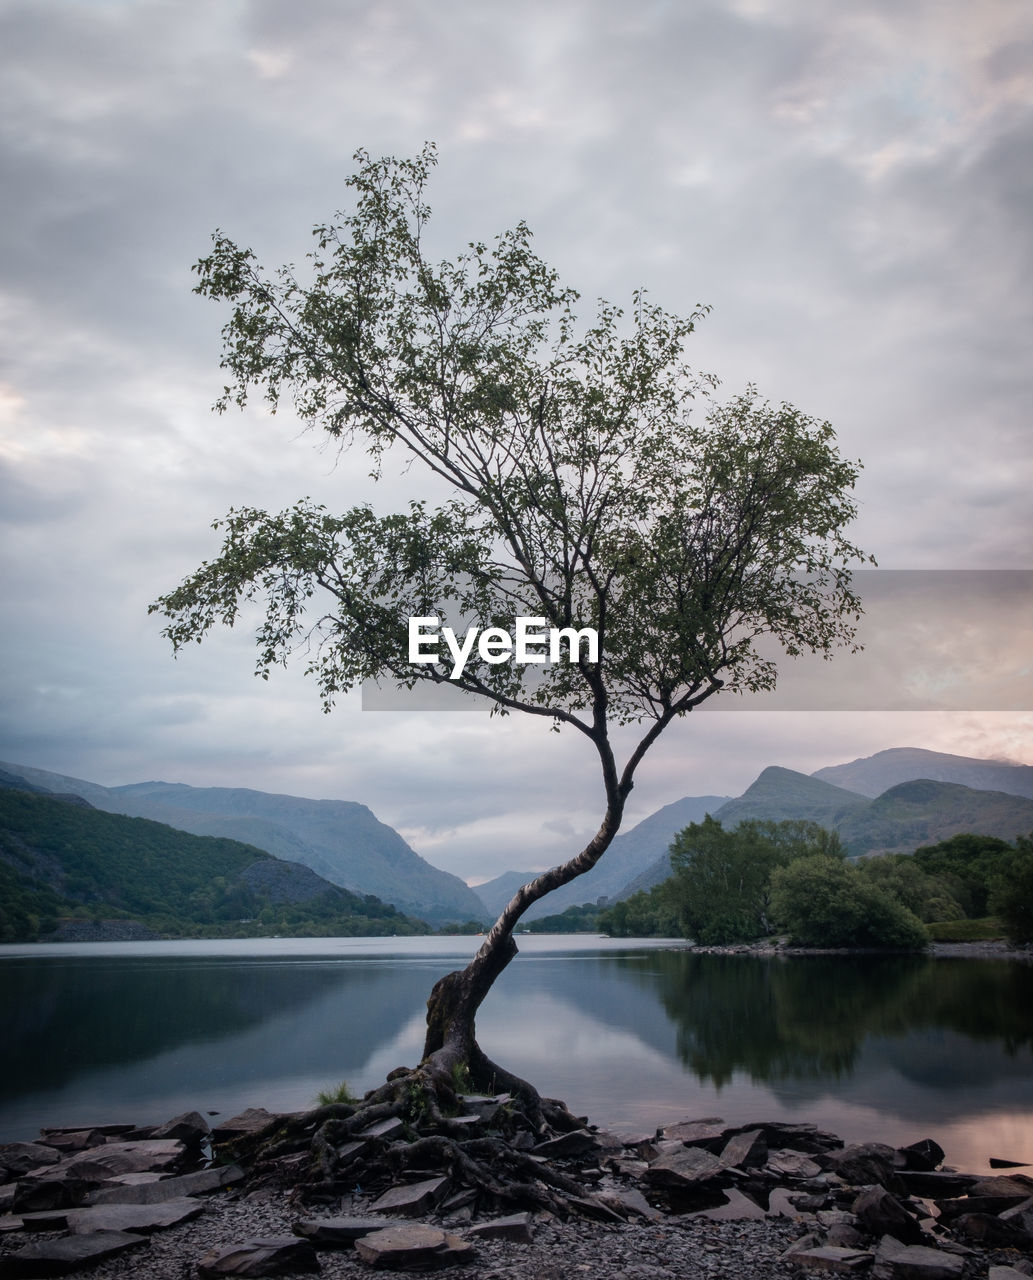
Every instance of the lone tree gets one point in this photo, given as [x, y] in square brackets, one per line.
[580, 488]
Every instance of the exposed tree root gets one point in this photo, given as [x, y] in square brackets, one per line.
[474, 1123]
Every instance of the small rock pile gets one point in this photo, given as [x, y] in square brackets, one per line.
[345, 1188]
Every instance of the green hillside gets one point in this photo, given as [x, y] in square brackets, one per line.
[340, 840]
[924, 812]
[60, 860]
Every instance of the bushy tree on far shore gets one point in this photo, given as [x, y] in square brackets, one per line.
[1011, 892]
[826, 902]
[720, 887]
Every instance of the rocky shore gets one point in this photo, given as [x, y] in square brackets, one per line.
[779, 947]
[489, 1193]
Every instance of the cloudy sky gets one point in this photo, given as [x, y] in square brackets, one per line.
[848, 186]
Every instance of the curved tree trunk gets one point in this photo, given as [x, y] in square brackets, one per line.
[452, 1008]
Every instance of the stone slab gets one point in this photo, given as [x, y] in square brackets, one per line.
[340, 1233]
[263, 1256]
[19, 1158]
[684, 1167]
[896, 1261]
[940, 1183]
[579, 1142]
[709, 1132]
[413, 1246]
[830, 1257]
[69, 1253]
[745, 1150]
[200, 1183]
[253, 1120]
[140, 1219]
[785, 1163]
[413, 1198]
[190, 1127]
[515, 1227]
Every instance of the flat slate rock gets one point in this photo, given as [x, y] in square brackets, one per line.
[141, 1219]
[515, 1227]
[578, 1142]
[785, 1163]
[709, 1132]
[684, 1167]
[190, 1127]
[264, 1256]
[745, 1150]
[413, 1246]
[186, 1184]
[19, 1158]
[1013, 1187]
[69, 1253]
[1006, 1273]
[896, 1261]
[830, 1257]
[114, 1158]
[253, 1120]
[339, 1233]
[941, 1182]
[412, 1198]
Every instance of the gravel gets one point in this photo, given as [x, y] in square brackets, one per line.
[670, 1250]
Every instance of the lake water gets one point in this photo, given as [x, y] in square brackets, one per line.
[633, 1034]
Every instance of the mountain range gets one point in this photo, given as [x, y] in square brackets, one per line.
[67, 866]
[891, 802]
[338, 839]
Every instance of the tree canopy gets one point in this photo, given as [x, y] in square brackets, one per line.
[584, 489]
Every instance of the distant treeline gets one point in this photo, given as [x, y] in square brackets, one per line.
[793, 878]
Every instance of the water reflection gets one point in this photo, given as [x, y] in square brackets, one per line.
[808, 1017]
[898, 1046]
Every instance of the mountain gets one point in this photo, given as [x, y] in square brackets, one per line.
[926, 812]
[338, 839]
[907, 812]
[629, 855]
[873, 775]
[60, 859]
[780, 794]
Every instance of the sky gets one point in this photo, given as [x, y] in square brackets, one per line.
[847, 186]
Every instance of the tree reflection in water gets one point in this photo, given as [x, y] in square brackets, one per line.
[807, 1017]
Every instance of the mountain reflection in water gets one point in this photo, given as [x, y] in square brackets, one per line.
[875, 1047]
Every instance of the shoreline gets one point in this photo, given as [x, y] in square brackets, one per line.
[996, 950]
[694, 1199]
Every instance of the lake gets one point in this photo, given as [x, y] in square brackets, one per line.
[630, 1033]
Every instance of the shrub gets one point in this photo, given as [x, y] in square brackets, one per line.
[824, 902]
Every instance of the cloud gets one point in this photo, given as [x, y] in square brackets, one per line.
[848, 186]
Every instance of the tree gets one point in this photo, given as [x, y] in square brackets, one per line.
[1011, 892]
[926, 896]
[581, 489]
[826, 902]
[721, 882]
